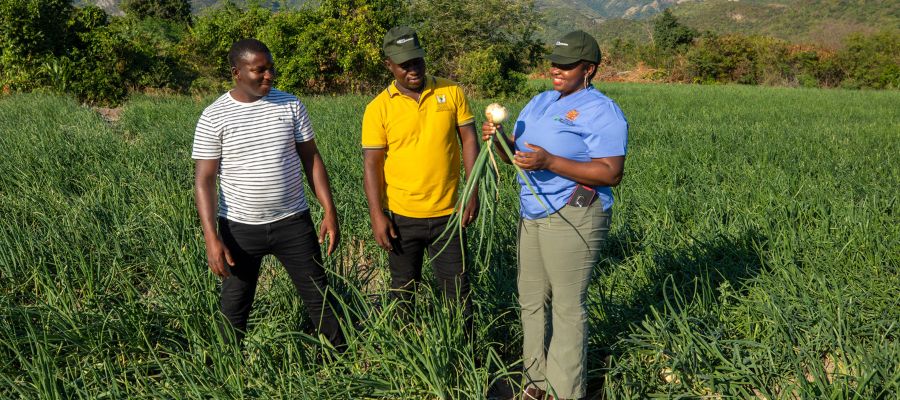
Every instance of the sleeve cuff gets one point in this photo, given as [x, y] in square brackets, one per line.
[466, 122]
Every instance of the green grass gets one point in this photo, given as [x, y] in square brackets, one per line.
[754, 251]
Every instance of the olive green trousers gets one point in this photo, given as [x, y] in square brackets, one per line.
[557, 255]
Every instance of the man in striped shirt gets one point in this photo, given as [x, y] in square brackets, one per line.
[256, 139]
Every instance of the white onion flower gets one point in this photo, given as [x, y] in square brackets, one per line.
[495, 113]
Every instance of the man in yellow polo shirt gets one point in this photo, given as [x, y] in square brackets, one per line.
[411, 135]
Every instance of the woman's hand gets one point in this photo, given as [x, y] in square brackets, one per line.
[536, 159]
[489, 129]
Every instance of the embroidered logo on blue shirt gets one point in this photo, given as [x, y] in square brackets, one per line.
[569, 119]
[566, 121]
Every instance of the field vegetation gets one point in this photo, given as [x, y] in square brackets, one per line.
[755, 252]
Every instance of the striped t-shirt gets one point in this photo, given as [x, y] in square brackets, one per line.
[260, 173]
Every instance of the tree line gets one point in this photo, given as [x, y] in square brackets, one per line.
[489, 46]
[332, 47]
[678, 53]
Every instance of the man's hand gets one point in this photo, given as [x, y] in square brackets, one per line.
[470, 213]
[217, 256]
[330, 228]
[383, 229]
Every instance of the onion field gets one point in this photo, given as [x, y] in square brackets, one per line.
[754, 253]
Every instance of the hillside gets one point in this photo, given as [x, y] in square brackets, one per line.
[824, 22]
[630, 9]
[113, 6]
[583, 10]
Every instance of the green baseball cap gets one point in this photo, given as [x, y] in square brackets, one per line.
[575, 46]
[401, 44]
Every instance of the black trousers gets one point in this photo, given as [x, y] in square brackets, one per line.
[294, 243]
[415, 237]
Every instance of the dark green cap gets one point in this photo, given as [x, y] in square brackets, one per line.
[575, 46]
[401, 44]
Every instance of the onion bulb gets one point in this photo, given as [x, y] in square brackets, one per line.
[669, 376]
[495, 113]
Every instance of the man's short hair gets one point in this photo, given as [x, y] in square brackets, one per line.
[244, 46]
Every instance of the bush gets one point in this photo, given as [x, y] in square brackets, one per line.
[341, 50]
[504, 28]
[168, 10]
[739, 59]
[293, 38]
[871, 61]
[32, 34]
[206, 46]
[814, 67]
[670, 35]
[333, 48]
[102, 65]
[485, 72]
[155, 60]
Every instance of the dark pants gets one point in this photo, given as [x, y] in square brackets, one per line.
[293, 241]
[415, 237]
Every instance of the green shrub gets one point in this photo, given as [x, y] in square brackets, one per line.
[155, 60]
[332, 48]
[102, 66]
[871, 61]
[670, 35]
[169, 10]
[206, 45]
[706, 63]
[485, 71]
[815, 68]
[340, 47]
[288, 35]
[465, 31]
[32, 33]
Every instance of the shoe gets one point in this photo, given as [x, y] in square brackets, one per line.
[533, 393]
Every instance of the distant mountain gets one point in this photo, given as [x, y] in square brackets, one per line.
[824, 22]
[630, 9]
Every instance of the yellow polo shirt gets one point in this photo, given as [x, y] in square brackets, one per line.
[421, 143]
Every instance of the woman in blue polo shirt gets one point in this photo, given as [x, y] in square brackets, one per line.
[571, 143]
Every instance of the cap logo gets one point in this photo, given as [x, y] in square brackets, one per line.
[404, 40]
[558, 43]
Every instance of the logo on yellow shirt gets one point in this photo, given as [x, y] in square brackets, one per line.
[441, 99]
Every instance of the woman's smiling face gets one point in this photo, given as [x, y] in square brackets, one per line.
[570, 78]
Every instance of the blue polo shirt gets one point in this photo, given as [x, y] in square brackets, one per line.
[581, 126]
